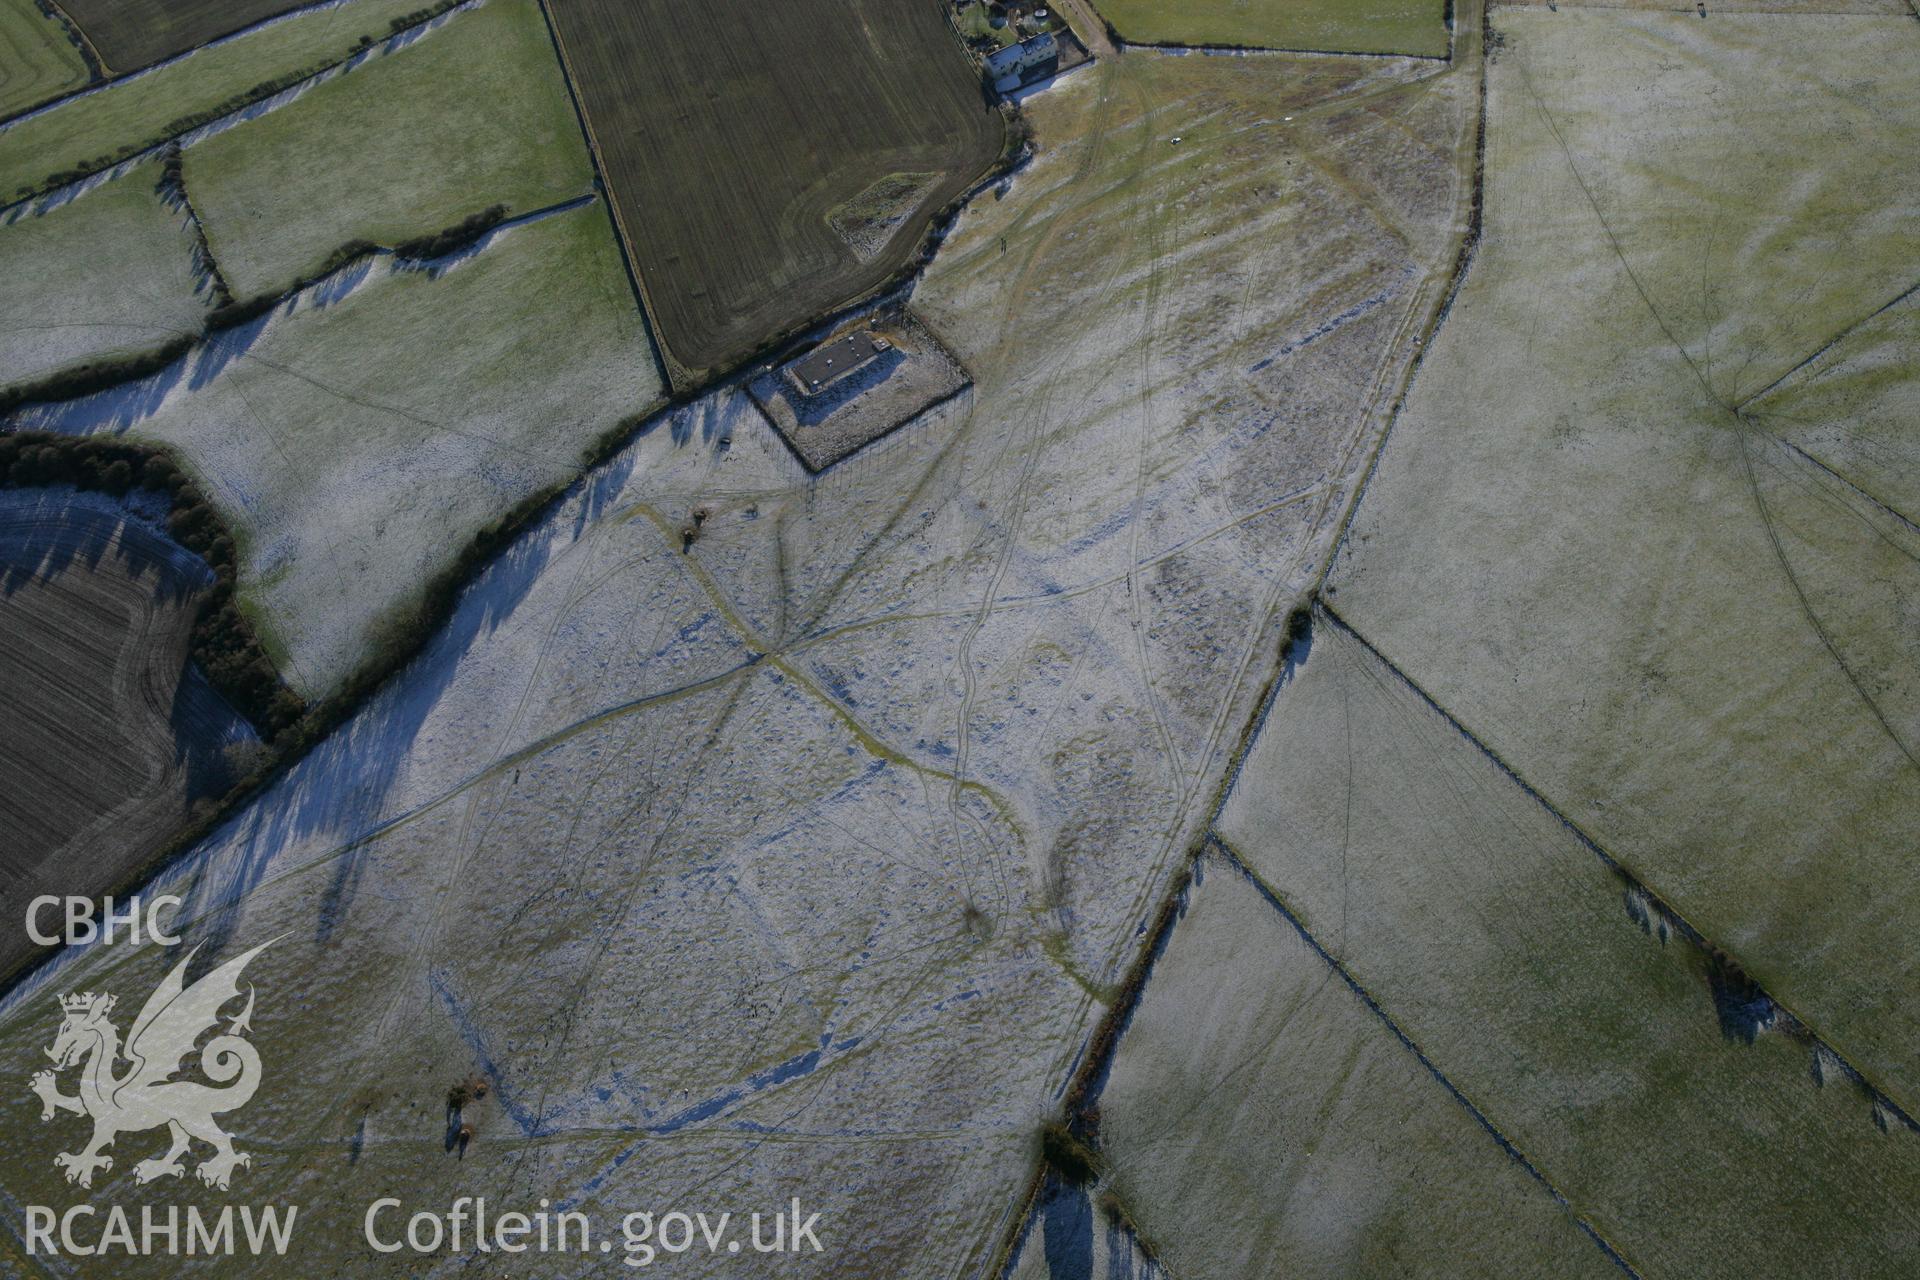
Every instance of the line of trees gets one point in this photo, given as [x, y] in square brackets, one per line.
[458, 236]
[97, 375]
[172, 188]
[232, 312]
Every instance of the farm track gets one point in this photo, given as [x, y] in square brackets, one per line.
[1361, 432]
[1105, 582]
[1911, 525]
[1469, 245]
[1744, 403]
[1090, 27]
[1424, 312]
[1022, 287]
[1815, 622]
[761, 652]
[1184, 790]
[1016, 504]
[1109, 1036]
[1156, 219]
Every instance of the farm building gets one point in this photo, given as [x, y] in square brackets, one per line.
[832, 361]
[1019, 64]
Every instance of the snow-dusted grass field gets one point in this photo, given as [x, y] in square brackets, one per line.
[759, 834]
[1259, 1119]
[1640, 528]
[804, 859]
[110, 274]
[1671, 1108]
[360, 434]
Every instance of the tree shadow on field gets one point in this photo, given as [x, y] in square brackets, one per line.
[45, 532]
[339, 792]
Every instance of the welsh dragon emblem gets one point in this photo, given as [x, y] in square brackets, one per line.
[145, 1095]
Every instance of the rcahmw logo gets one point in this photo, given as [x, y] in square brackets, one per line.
[147, 1094]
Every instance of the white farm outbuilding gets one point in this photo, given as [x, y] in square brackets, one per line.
[1017, 64]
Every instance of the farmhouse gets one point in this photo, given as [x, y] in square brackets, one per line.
[1019, 64]
[832, 361]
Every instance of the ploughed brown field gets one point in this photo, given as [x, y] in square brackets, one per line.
[737, 135]
[131, 34]
[109, 737]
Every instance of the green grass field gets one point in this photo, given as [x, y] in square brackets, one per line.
[1338, 26]
[130, 34]
[126, 118]
[729, 132]
[38, 60]
[402, 147]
